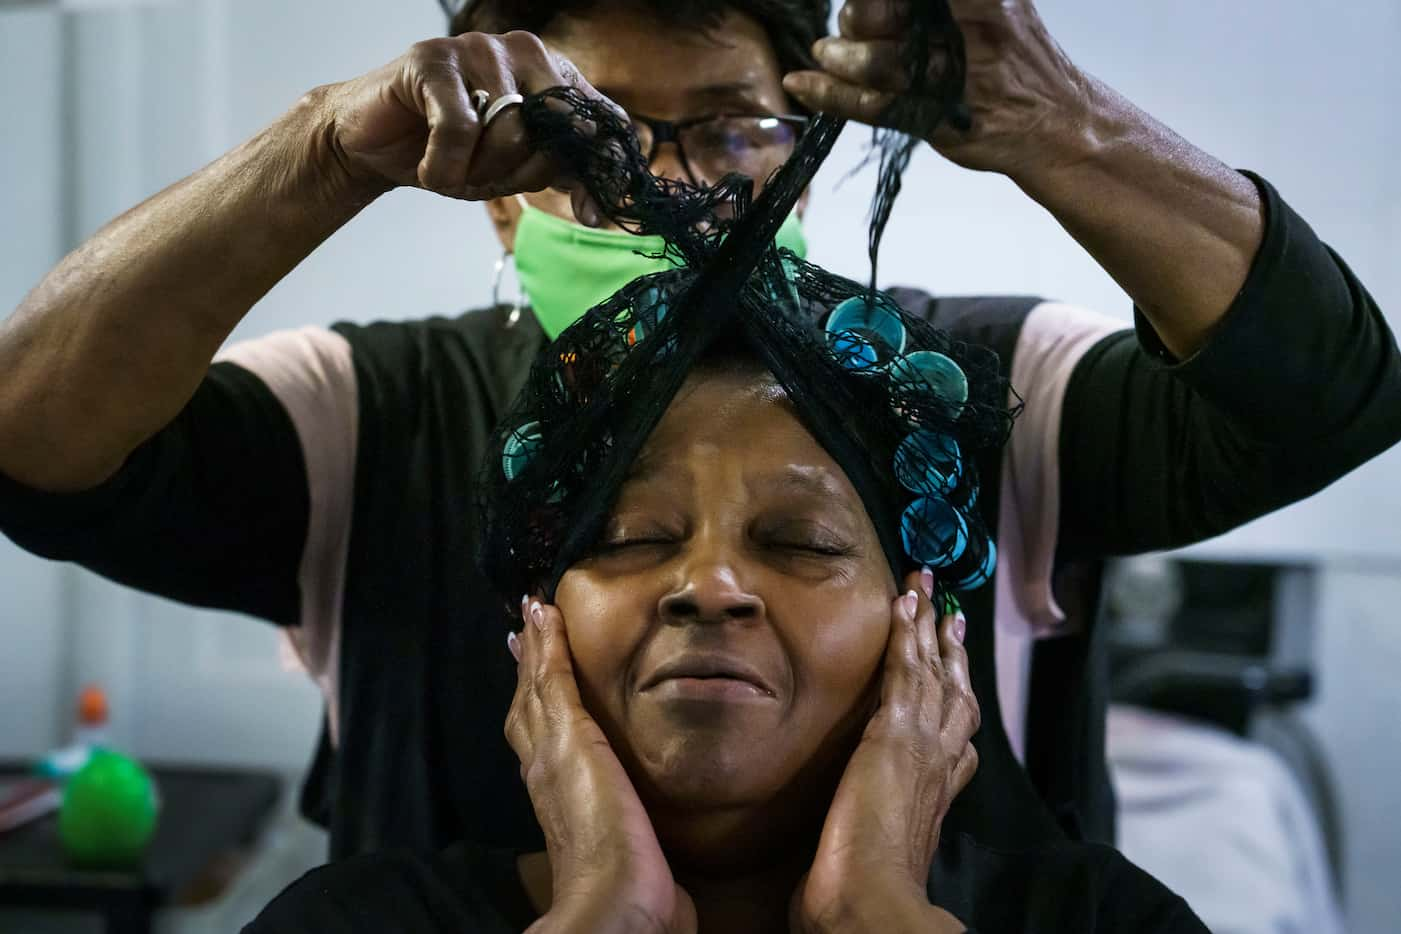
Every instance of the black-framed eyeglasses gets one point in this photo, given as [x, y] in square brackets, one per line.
[716, 144]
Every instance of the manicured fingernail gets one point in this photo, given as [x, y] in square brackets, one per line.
[514, 645]
[926, 580]
[911, 603]
[960, 628]
[951, 605]
[537, 613]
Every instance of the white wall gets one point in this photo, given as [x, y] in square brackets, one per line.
[1308, 95]
[31, 240]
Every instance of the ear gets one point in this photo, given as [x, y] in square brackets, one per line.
[505, 214]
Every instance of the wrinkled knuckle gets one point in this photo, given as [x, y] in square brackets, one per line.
[526, 47]
[430, 50]
[970, 701]
[438, 71]
[473, 44]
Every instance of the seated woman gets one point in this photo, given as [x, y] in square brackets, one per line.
[744, 699]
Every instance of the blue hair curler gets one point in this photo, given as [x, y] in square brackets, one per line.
[984, 572]
[935, 372]
[934, 533]
[520, 447]
[863, 333]
[928, 463]
[853, 351]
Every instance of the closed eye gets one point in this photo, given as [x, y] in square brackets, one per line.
[824, 549]
[623, 544]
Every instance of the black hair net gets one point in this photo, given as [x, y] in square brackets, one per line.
[899, 405]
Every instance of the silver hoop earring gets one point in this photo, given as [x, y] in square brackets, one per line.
[514, 317]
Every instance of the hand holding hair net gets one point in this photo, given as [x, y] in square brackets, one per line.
[899, 405]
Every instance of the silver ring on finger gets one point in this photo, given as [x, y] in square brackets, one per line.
[480, 99]
[500, 104]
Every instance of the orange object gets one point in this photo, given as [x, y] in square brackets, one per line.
[92, 706]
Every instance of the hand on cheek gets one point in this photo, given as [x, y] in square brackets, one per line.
[603, 851]
[914, 757]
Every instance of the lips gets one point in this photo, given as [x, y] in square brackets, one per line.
[708, 666]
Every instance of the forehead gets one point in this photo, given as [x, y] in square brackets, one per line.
[740, 425]
[667, 71]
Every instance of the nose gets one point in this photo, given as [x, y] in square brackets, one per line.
[710, 591]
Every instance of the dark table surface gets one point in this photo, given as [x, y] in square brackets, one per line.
[204, 814]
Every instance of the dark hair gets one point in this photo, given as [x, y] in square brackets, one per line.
[792, 25]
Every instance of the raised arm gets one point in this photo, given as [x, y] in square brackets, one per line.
[1229, 404]
[1299, 384]
[114, 342]
[1173, 226]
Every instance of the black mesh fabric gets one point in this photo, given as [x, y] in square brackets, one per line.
[884, 396]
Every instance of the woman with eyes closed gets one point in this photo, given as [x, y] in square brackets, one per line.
[734, 718]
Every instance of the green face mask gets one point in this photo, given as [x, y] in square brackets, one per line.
[565, 268]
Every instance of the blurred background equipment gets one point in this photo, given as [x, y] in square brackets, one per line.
[1224, 792]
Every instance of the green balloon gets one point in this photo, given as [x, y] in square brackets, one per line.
[109, 812]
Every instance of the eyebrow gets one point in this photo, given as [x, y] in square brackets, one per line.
[811, 481]
[738, 92]
[645, 469]
[745, 93]
[815, 482]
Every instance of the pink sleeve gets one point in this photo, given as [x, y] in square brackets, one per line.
[1052, 341]
[311, 373]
